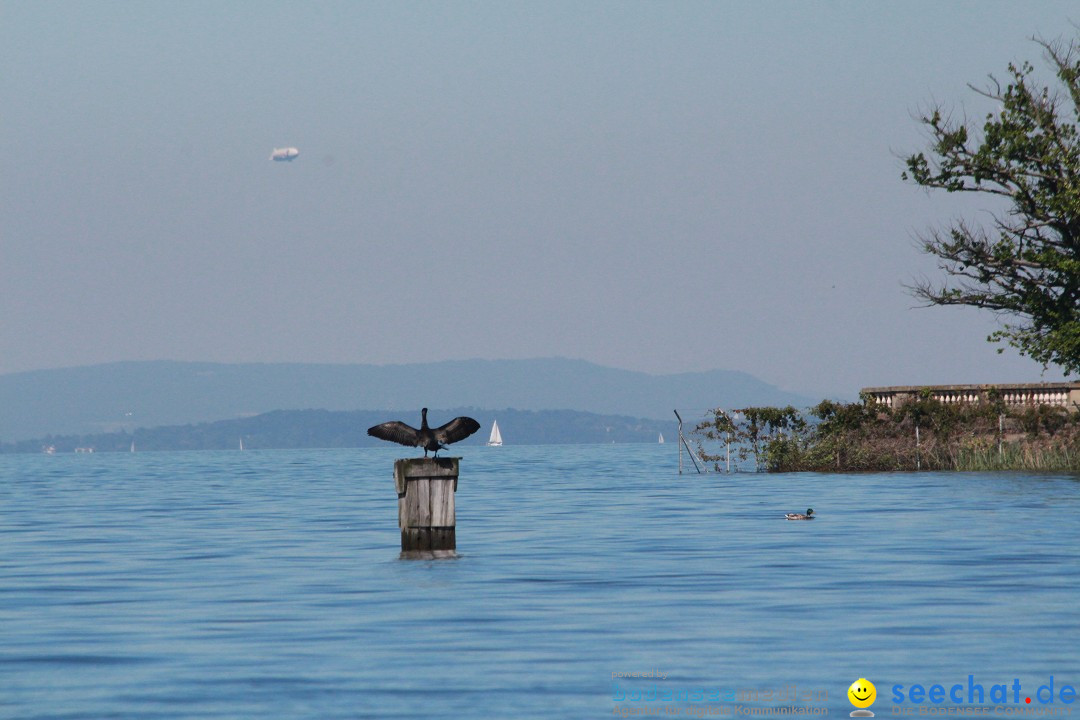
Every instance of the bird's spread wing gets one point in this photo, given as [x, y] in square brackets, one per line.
[457, 429]
[395, 431]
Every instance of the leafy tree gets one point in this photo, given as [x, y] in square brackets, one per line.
[1026, 265]
[769, 434]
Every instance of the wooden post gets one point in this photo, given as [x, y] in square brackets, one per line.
[425, 488]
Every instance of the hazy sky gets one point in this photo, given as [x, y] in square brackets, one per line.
[657, 186]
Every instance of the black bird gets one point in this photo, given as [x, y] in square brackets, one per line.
[435, 440]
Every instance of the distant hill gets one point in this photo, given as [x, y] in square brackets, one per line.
[282, 429]
[130, 395]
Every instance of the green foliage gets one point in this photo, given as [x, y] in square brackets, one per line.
[1060, 458]
[1043, 419]
[767, 434]
[866, 436]
[1026, 265]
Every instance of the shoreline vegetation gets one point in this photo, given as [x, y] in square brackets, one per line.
[865, 436]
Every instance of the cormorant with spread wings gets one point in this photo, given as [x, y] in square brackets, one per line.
[434, 439]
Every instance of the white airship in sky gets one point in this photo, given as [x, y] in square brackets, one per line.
[284, 154]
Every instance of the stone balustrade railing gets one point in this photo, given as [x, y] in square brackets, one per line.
[1065, 394]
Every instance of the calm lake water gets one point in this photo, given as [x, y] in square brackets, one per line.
[269, 585]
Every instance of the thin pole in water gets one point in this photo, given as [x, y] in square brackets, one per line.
[1001, 435]
[918, 456]
[682, 442]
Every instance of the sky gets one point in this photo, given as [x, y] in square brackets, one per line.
[657, 186]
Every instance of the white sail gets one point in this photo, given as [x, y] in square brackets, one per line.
[661, 438]
[495, 440]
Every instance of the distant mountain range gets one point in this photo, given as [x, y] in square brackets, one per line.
[286, 429]
[125, 396]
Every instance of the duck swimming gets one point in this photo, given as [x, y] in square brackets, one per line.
[799, 516]
[434, 439]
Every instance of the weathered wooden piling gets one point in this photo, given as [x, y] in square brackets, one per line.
[425, 488]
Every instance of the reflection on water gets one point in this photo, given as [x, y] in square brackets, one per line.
[270, 584]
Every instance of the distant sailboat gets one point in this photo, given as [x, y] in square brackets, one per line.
[661, 438]
[496, 437]
[132, 446]
[241, 443]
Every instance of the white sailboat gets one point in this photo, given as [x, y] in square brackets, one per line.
[495, 440]
[241, 443]
[661, 438]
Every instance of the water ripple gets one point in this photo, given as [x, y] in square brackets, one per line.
[269, 584]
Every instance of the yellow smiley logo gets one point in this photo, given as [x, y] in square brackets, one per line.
[862, 693]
